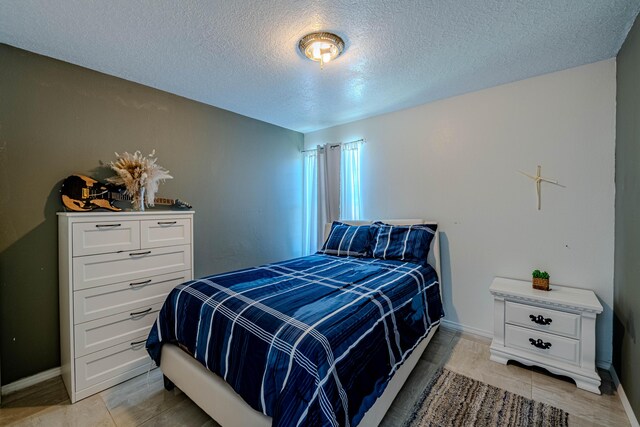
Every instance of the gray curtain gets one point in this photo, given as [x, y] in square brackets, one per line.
[328, 187]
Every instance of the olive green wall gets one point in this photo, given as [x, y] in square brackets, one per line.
[243, 177]
[626, 303]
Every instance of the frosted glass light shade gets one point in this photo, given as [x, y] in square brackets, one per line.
[321, 47]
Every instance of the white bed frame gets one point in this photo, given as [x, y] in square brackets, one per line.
[224, 405]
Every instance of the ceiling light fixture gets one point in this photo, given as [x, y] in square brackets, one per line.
[321, 47]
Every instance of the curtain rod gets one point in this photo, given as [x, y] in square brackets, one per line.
[336, 145]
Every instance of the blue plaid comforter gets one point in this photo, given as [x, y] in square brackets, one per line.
[308, 341]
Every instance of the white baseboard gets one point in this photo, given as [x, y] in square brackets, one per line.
[623, 397]
[448, 324]
[29, 381]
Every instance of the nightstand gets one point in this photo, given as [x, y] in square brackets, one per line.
[553, 329]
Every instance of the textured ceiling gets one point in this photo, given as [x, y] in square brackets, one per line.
[241, 55]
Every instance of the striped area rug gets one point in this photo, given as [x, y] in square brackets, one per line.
[454, 400]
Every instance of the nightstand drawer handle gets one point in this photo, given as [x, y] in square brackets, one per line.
[144, 282]
[167, 222]
[538, 343]
[107, 225]
[539, 319]
[135, 343]
[138, 313]
[139, 253]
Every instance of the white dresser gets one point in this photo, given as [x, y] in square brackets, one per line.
[115, 269]
[553, 329]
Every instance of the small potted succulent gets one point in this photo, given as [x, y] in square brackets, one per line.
[540, 280]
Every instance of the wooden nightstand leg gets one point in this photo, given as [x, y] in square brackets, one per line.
[588, 340]
[498, 331]
[496, 358]
[593, 386]
[498, 322]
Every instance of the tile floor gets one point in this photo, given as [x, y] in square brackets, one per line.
[142, 401]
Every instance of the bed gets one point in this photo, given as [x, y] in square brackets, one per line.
[340, 365]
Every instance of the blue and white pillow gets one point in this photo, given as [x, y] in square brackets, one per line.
[402, 242]
[347, 240]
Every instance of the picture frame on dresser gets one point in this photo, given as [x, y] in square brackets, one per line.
[115, 271]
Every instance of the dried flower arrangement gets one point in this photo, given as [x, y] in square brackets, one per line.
[140, 176]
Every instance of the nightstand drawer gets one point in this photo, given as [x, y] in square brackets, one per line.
[102, 301]
[109, 331]
[559, 348]
[165, 232]
[105, 236]
[98, 270]
[111, 363]
[544, 319]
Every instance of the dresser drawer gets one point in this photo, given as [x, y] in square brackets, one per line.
[165, 232]
[559, 322]
[564, 349]
[106, 332]
[98, 270]
[106, 236]
[101, 301]
[111, 363]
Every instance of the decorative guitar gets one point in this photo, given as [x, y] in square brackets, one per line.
[80, 193]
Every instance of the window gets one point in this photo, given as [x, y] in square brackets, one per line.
[350, 201]
[310, 203]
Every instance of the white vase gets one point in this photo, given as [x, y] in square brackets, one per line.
[138, 201]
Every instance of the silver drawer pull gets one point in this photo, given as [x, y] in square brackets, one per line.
[167, 222]
[144, 282]
[107, 225]
[138, 313]
[135, 343]
[139, 253]
[538, 343]
[540, 320]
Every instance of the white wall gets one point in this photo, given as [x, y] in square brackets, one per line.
[456, 161]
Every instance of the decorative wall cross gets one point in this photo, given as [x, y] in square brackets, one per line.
[538, 180]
